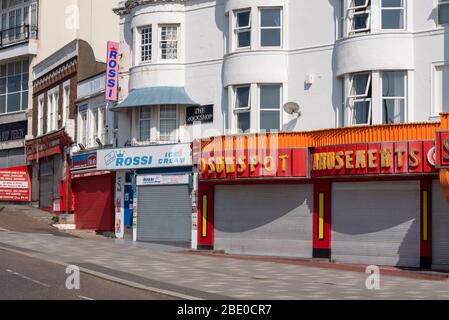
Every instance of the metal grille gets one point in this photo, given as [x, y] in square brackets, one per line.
[376, 223]
[164, 213]
[264, 219]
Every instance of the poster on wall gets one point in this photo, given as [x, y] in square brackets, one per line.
[15, 184]
[119, 205]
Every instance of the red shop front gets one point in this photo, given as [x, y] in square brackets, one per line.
[94, 194]
[361, 203]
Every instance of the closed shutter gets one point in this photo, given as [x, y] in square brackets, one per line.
[164, 213]
[94, 203]
[12, 158]
[376, 223]
[46, 183]
[440, 227]
[264, 219]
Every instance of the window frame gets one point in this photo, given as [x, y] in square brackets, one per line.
[404, 98]
[178, 41]
[281, 29]
[404, 15]
[260, 110]
[40, 115]
[149, 44]
[353, 99]
[439, 4]
[237, 111]
[52, 109]
[176, 131]
[237, 30]
[150, 136]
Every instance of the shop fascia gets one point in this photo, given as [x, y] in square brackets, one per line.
[149, 157]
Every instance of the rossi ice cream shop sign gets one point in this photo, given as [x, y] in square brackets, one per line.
[178, 155]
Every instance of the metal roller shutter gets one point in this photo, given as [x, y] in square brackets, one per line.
[57, 176]
[94, 202]
[440, 227]
[272, 220]
[376, 223]
[164, 213]
[46, 183]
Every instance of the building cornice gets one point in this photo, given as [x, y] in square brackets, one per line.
[125, 7]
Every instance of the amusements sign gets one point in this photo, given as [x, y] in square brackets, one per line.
[374, 159]
[15, 184]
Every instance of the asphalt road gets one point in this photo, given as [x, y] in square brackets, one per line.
[24, 278]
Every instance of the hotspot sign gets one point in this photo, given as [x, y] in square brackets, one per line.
[178, 155]
[112, 71]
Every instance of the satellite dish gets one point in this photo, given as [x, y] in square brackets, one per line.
[292, 108]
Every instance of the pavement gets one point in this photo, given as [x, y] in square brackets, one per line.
[179, 273]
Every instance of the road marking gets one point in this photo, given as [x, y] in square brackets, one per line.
[85, 298]
[28, 278]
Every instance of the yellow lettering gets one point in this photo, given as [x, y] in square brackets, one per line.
[269, 164]
[340, 161]
[372, 158]
[211, 163]
[414, 158]
[386, 158]
[283, 159]
[330, 161]
[253, 163]
[349, 158]
[400, 153]
[241, 164]
[230, 165]
[360, 160]
[219, 162]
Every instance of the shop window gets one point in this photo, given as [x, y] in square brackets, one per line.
[145, 124]
[270, 27]
[242, 29]
[169, 42]
[270, 107]
[359, 13]
[393, 14]
[146, 44]
[443, 11]
[168, 123]
[242, 108]
[393, 97]
[359, 99]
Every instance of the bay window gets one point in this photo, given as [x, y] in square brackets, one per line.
[242, 29]
[443, 11]
[393, 96]
[270, 27]
[270, 107]
[393, 14]
[242, 108]
[14, 80]
[359, 97]
[168, 123]
[169, 42]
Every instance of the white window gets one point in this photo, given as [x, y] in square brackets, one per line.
[145, 124]
[270, 101]
[242, 29]
[14, 86]
[359, 99]
[102, 125]
[441, 94]
[40, 116]
[359, 13]
[66, 104]
[270, 27]
[394, 97]
[443, 11]
[146, 44]
[83, 127]
[169, 42]
[393, 14]
[242, 107]
[168, 123]
[95, 121]
[52, 110]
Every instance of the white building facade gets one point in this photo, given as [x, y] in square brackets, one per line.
[366, 62]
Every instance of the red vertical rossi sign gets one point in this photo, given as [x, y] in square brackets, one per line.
[15, 184]
[112, 71]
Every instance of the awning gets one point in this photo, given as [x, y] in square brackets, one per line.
[154, 96]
